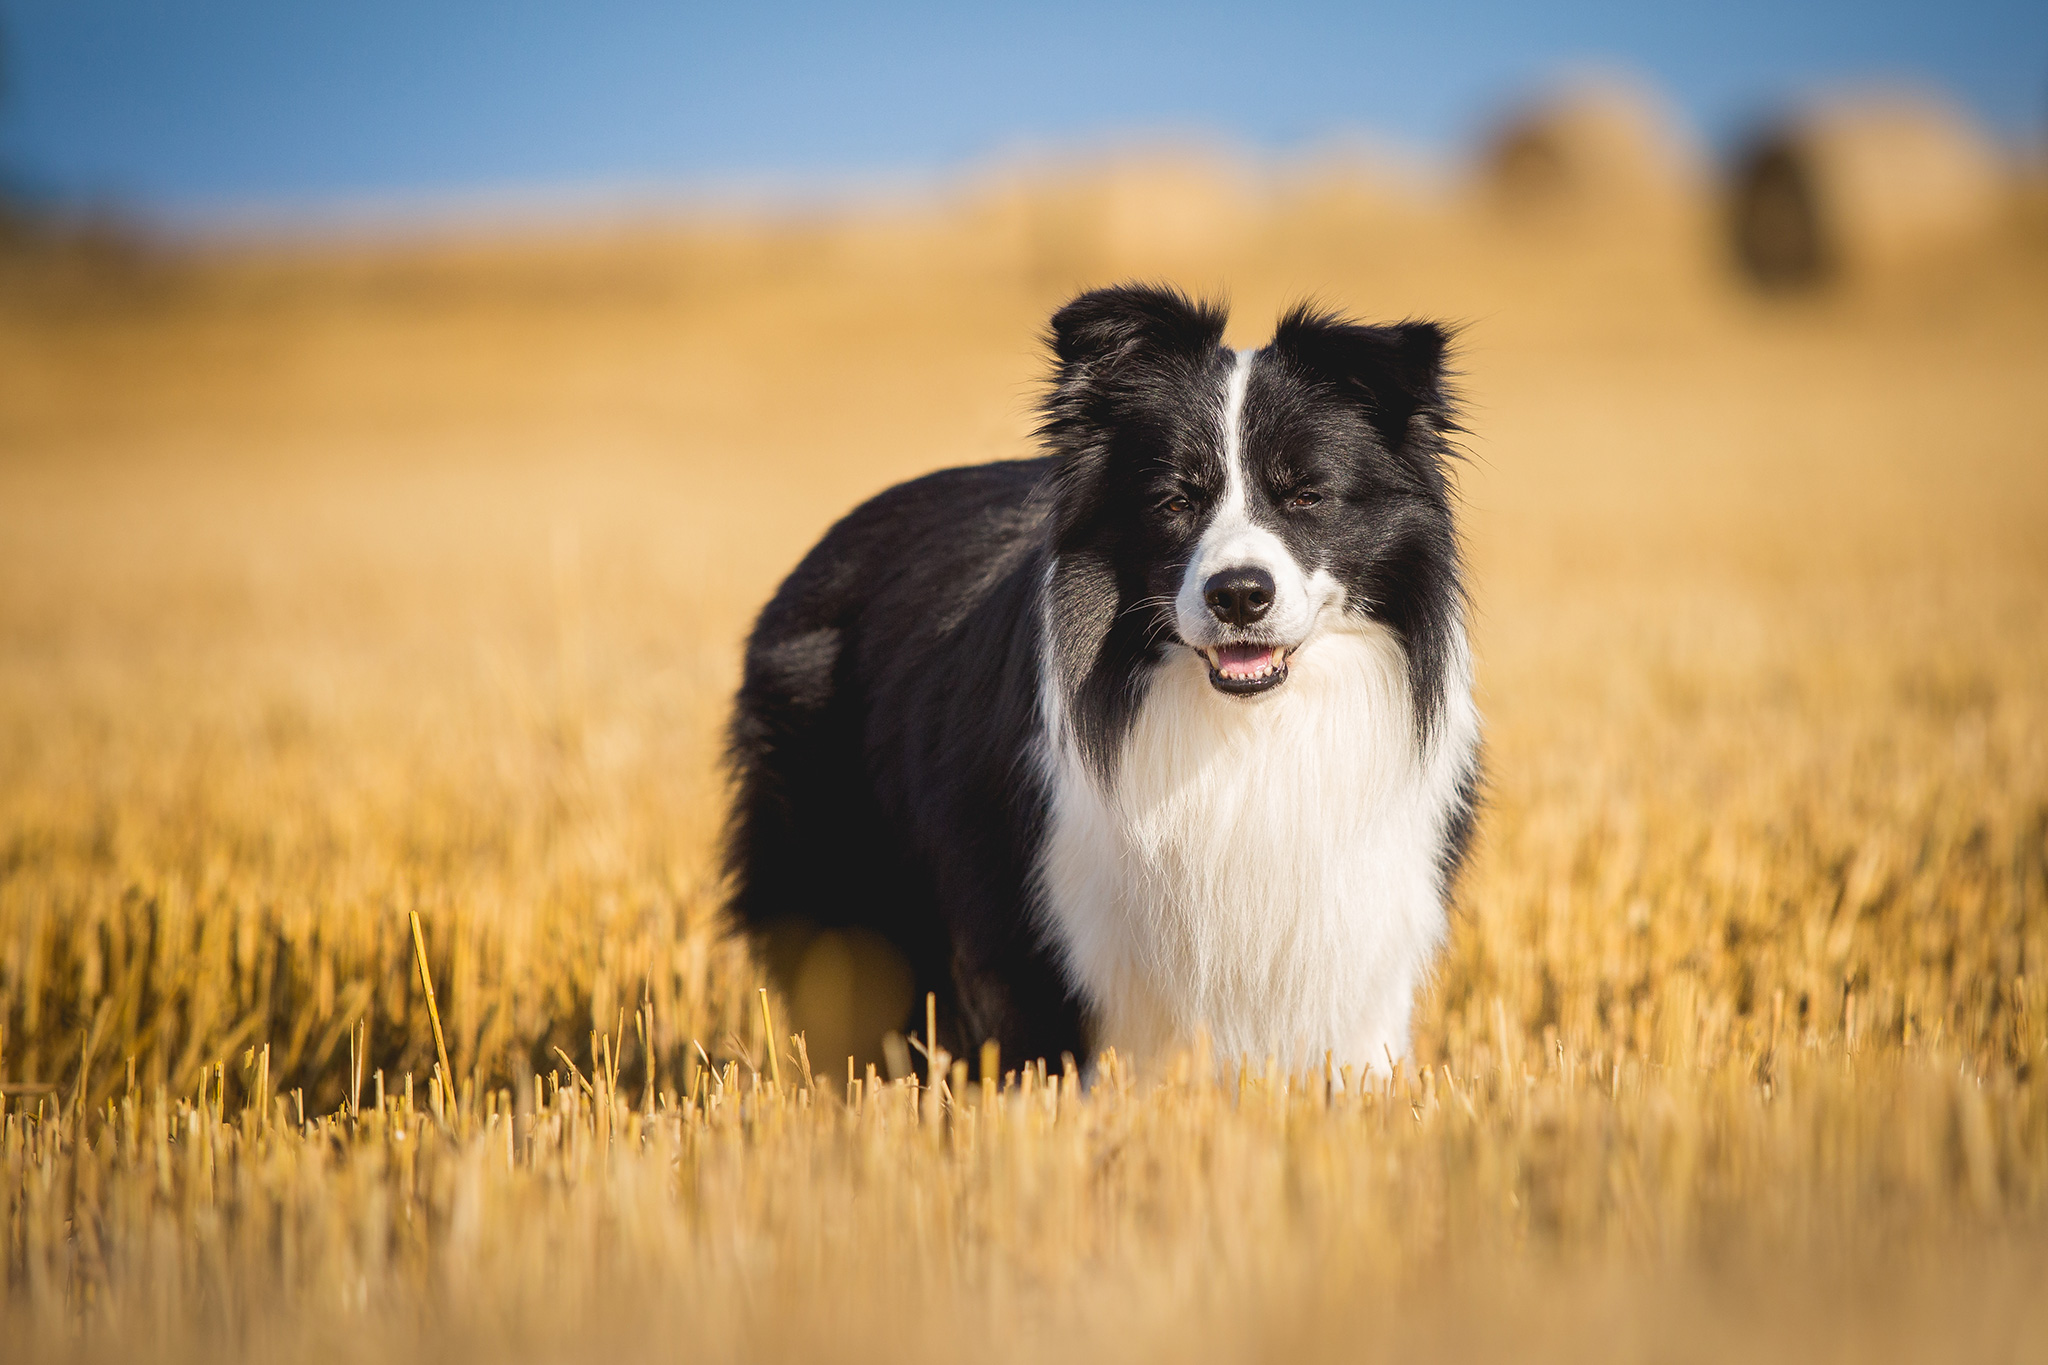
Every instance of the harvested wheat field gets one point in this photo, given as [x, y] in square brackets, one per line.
[342, 582]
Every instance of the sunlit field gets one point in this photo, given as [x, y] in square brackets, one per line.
[341, 582]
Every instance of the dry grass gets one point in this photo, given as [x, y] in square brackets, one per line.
[342, 584]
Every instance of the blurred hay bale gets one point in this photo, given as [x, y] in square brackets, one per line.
[1165, 212]
[1180, 213]
[1598, 152]
[1859, 188]
[68, 265]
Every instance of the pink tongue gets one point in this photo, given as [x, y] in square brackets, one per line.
[1243, 661]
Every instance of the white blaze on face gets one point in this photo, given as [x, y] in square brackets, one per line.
[1232, 540]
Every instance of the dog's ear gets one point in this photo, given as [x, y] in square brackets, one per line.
[1114, 346]
[1395, 373]
[1106, 325]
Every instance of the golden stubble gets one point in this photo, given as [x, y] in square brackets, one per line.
[346, 583]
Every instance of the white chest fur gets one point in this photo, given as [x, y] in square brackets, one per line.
[1265, 872]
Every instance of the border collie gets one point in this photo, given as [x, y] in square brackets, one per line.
[1167, 735]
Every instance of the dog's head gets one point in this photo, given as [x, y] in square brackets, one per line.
[1242, 503]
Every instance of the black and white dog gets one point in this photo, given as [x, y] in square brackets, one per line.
[1166, 734]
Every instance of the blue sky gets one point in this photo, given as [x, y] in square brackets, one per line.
[178, 107]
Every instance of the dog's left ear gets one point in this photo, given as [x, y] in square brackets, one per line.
[1396, 372]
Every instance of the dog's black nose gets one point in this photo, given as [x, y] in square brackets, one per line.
[1239, 597]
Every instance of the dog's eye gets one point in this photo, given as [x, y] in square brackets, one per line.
[1305, 498]
[1177, 504]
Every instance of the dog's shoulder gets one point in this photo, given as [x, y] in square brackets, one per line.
[916, 554]
[922, 535]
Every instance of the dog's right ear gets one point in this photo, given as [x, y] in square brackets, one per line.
[1114, 346]
[1103, 326]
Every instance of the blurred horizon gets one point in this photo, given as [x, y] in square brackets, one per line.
[209, 114]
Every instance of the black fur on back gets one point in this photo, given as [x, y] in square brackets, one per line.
[879, 749]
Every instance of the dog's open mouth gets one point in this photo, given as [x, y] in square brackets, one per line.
[1244, 669]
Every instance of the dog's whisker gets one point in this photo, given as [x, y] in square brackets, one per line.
[1160, 602]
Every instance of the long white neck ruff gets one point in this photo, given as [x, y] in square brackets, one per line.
[1264, 872]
